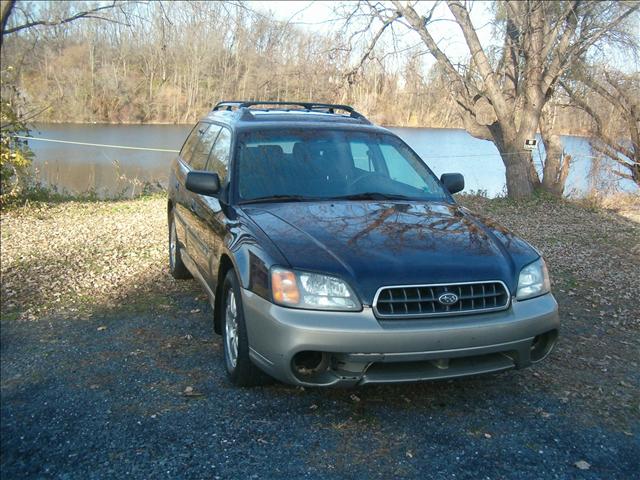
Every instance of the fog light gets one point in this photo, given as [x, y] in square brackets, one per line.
[542, 345]
[310, 363]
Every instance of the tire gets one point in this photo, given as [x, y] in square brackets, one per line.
[235, 344]
[176, 267]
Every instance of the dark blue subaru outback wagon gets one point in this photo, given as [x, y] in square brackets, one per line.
[332, 255]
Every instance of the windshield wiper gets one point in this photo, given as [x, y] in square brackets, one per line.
[279, 198]
[372, 196]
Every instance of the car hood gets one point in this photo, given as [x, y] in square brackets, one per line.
[381, 243]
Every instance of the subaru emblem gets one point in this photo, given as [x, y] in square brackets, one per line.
[448, 298]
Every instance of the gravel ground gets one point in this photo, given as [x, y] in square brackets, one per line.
[110, 368]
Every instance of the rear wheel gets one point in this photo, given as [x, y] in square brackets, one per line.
[240, 368]
[176, 267]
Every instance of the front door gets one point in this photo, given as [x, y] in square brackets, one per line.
[210, 219]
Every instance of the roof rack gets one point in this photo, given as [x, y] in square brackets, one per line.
[309, 106]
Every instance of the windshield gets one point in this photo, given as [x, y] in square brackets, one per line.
[328, 164]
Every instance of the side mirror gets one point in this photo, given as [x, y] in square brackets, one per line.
[454, 182]
[204, 183]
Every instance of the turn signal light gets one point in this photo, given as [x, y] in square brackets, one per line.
[284, 287]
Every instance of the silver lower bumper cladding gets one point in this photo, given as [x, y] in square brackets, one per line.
[354, 348]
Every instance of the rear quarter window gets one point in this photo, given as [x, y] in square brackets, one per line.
[207, 136]
[192, 139]
[219, 156]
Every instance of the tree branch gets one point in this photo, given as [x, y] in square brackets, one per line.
[599, 121]
[49, 23]
[372, 44]
[567, 53]
[462, 96]
[480, 59]
[550, 39]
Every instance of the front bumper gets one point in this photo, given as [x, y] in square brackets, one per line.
[357, 348]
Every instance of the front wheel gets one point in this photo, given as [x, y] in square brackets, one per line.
[240, 368]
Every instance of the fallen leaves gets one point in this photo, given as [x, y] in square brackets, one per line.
[191, 392]
[582, 465]
[72, 257]
[589, 253]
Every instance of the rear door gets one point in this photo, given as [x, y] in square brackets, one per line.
[178, 175]
[210, 218]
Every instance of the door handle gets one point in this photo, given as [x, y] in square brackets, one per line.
[192, 205]
[177, 185]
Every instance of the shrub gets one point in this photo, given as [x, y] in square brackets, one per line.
[15, 154]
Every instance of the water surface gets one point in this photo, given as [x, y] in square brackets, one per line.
[114, 172]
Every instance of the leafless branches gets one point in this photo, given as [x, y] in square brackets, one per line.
[29, 21]
[616, 117]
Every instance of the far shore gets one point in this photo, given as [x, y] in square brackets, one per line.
[582, 134]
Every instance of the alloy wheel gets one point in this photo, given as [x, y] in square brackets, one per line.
[231, 329]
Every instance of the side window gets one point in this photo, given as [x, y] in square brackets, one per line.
[219, 157]
[399, 168]
[361, 156]
[208, 134]
[192, 139]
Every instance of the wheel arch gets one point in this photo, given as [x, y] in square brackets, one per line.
[225, 265]
[169, 209]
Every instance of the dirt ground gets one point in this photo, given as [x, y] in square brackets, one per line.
[109, 367]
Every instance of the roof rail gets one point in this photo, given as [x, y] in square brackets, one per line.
[310, 106]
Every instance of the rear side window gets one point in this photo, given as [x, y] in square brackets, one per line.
[208, 134]
[219, 157]
[192, 139]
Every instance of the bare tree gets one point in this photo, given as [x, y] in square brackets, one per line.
[540, 41]
[612, 100]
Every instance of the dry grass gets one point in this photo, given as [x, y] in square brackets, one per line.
[624, 204]
[593, 252]
[70, 258]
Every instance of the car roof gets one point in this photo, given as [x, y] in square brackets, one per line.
[246, 119]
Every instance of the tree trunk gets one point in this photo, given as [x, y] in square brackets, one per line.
[518, 172]
[520, 175]
[556, 165]
[5, 12]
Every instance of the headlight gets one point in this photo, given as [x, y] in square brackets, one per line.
[533, 281]
[311, 290]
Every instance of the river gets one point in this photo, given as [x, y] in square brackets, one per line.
[111, 173]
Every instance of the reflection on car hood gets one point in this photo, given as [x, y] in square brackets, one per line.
[378, 243]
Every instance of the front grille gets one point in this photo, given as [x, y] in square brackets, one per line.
[423, 300]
